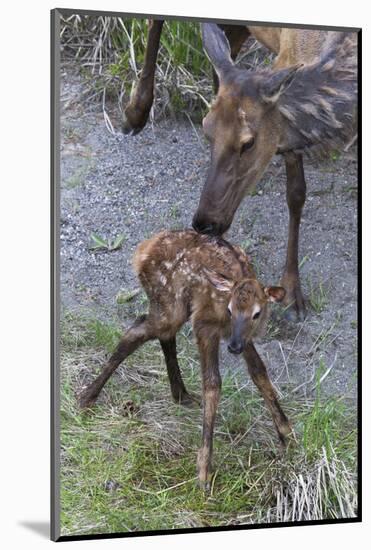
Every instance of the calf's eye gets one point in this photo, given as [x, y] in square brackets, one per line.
[256, 315]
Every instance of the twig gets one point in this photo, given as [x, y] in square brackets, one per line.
[284, 360]
[326, 373]
[195, 131]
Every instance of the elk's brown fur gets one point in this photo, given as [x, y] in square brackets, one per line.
[305, 103]
[187, 275]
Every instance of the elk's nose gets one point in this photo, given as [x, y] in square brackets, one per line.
[235, 348]
[210, 228]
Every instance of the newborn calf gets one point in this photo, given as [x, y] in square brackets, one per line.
[187, 275]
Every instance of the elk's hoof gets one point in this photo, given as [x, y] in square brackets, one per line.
[295, 311]
[295, 314]
[129, 127]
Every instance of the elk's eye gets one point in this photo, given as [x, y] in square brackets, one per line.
[247, 145]
[256, 315]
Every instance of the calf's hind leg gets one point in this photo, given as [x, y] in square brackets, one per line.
[260, 377]
[139, 333]
[178, 389]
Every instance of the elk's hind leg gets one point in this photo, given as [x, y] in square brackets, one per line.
[260, 377]
[296, 190]
[178, 389]
[137, 111]
[139, 333]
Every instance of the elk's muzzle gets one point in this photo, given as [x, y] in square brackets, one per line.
[203, 225]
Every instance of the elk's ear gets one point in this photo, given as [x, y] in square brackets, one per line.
[217, 47]
[218, 280]
[277, 83]
[275, 293]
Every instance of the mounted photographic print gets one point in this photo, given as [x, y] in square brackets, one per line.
[205, 275]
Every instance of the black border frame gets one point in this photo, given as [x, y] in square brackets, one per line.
[55, 280]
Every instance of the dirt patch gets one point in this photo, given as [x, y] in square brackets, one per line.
[135, 186]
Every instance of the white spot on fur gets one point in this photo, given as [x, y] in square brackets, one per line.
[163, 279]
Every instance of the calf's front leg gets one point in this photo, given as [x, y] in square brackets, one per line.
[259, 375]
[208, 344]
[178, 389]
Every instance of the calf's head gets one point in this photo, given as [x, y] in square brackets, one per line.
[247, 308]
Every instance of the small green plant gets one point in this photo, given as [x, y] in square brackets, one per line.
[246, 244]
[256, 267]
[98, 243]
[318, 296]
[335, 155]
[303, 261]
[174, 211]
[124, 296]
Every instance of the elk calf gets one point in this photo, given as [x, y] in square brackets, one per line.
[187, 275]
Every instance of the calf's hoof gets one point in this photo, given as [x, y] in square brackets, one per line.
[86, 400]
[204, 470]
[187, 400]
[205, 486]
[286, 435]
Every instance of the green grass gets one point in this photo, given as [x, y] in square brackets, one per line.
[318, 295]
[130, 465]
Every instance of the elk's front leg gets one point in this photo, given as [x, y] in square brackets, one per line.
[139, 333]
[260, 377]
[296, 190]
[178, 389]
[138, 109]
[208, 344]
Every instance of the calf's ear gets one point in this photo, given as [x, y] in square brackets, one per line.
[220, 281]
[275, 293]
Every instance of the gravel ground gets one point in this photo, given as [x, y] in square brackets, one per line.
[135, 186]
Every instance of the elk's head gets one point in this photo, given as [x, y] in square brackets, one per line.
[247, 308]
[243, 127]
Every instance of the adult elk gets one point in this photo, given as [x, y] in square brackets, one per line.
[306, 102]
